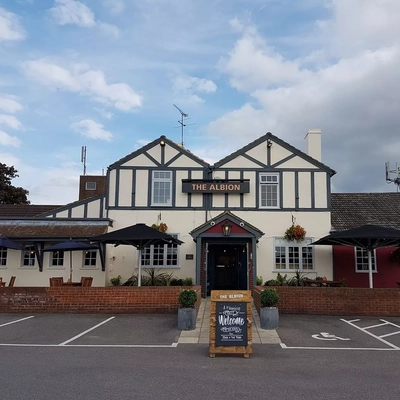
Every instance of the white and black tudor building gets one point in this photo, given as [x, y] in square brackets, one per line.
[230, 216]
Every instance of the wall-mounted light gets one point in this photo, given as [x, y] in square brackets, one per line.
[269, 143]
[226, 228]
[162, 143]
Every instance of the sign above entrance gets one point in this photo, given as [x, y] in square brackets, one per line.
[216, 186]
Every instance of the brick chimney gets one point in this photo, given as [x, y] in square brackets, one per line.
[313, 138]
[91, 186]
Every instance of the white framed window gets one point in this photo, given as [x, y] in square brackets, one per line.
[28, 256]
[269, 190]
[293, 256]
[3, 257]
[90, 185]
[361, 256]
[161, 256]
[90, 259]
[57, 259]
[161, 188]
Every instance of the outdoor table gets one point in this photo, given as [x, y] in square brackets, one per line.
[72, 284]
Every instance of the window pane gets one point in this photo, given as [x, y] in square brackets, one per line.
[291, 257]
[29, 256]
[362, 260]
[3, 256]
[57, 258]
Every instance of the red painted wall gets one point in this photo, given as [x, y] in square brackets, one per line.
[344, 266]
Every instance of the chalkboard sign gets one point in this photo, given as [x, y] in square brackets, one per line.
[231, 324]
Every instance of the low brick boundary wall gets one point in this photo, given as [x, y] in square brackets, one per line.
[334, 301]
[104, 300]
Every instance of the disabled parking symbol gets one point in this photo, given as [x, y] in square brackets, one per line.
[327, 336]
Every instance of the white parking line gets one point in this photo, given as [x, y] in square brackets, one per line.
[92, 345]
[18, 320]
[85, 332]
[334, 348]
[365, 330]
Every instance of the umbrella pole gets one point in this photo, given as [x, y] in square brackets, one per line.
[140, 268]
[70, 266]
[370, 268]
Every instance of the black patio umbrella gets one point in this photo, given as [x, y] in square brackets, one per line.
[71, 245]
[9, 244]
[139, 236]
[368, 237]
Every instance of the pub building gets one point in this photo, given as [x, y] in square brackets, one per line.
[231, 216]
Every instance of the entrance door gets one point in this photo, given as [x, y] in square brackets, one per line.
[227, 267]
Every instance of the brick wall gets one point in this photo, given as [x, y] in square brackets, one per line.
[107, 300]
[335, 301]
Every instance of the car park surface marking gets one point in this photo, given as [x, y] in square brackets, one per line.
[85, 332]
[18, 320]
[365, 330]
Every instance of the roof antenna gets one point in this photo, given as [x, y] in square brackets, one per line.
[83, 159]
[182, 121]
[396, 172]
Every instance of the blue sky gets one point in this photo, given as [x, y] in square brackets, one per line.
[106, 73]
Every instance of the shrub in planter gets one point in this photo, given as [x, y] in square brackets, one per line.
[187, 298]
[269, 317]
[187, 312]
[269, 297]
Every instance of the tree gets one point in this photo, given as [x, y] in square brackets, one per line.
[10, 194]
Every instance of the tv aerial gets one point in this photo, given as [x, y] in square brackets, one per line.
[83, 159]
[182, 122]
[392, 176]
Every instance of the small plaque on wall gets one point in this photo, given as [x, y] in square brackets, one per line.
[189, 257]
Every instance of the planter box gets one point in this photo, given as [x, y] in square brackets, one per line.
[269, 317]
[187, 319]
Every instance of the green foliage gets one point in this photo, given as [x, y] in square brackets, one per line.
[10, 194]
[188, 282]
[279, 281]
[116, 281]
[187, 298]
[269, 297]
[153, 277]
[259, 280]
[176, 282]
[298, 279]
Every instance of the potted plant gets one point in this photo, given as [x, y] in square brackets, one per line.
[269, 316]
[295, 232]
[187, 311]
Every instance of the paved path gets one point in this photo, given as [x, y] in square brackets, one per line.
[202, 332]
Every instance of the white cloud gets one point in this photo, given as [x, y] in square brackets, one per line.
[253, 64]
[10, 121]
[109, 30]
[115, 6]
[92, 130]
[349, 89]
[72, 12]
[88, 82]
[9, 105]
[185, 88]
[10, 28]
[7, 140]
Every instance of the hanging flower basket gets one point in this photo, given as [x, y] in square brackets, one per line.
[162, 227]
[295, 232]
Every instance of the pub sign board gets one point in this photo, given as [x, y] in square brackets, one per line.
[231, 324]
[216, 186]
